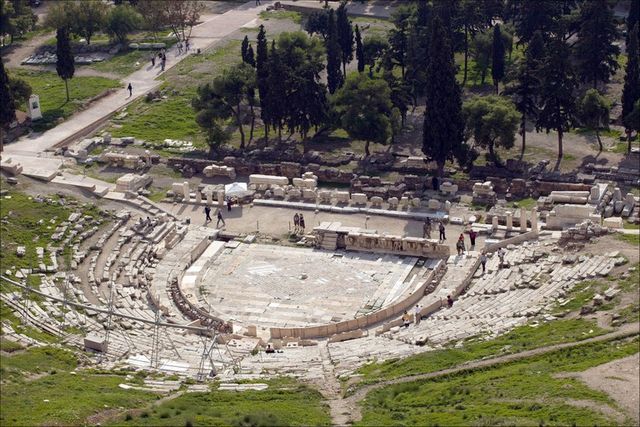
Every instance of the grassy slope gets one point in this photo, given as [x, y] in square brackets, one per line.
[523, 393]
[56, 396]
[285, 402]
[53, 98]
[519, 339]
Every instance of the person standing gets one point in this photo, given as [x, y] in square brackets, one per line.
[449, 301]
[301, 223]
[296, 222]
[501, 254]
[220, 219]
[406, 319]
[179, 48]
[472, 237]
[442, 236]
[207, 212]
[257, 2]
[483, 262]
[460, 245]
[153, 60]
[130, 89]
[417, 314]
[186, 45]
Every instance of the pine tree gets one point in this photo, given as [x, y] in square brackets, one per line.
[7, 104]
[632, 18]
[399, 37]
[472, 22]
[64, 65]
[557, 97]
[345, 36]
[524, 91]
[443, 130]
[631, 91]
[596, 53]
[530, 16]
[262, 76]
[417, 57]
[594, 112]
[359, 50]
[334, 76]
[497, 64]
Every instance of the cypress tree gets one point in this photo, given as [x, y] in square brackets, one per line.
[557, 97]
[632, 18]
[64, 65]
[596, 53]
[359, 50]
[631, 91]
[276, 102]
[262, 75]
[524, 91]
[345, 36]
[497, 65]
[334, 76]
[251, 60]
[443, 130]
[243, 48]
[7, 104]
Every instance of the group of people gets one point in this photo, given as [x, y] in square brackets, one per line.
[207, 213]
[298, 223]
[426, 230]
[417, 313]
[162, 57]
[460, 247]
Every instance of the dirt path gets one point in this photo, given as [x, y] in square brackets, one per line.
[15, 54]
[351, 401]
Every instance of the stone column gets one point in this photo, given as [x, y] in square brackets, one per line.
[209, 197]
[595, 193]
[523, 220]
[509, 220]
[220, 198]
[494, 223]
[534, 219]
[185, 191]
[198, 196]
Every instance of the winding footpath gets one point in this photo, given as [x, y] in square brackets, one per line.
[351, 402]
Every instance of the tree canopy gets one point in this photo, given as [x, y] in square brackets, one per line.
[65, 61]
[594, 112]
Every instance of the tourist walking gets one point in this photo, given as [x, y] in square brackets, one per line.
[179, 46]
[153, 60]
[186, 45]
[296, 222]
[417, 314]
[257, 2]
[220, 219]
[449, 301]
[426, 229]
[301, 223]
[207, 212]
[460, 245]
[130, 89]
[472, 237]
[483, 262]
[442, 236]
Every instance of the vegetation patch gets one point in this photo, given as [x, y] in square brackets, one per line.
[284, 403]
[53, 98]
[525, 392]
[290, 15]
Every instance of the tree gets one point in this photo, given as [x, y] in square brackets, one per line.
[152, 12]
[539, 15]
[399, 37]
[225, 98]
[594, 112]
[121, 21]
[345, 36]
[251, 59]
[90, 18]
[181, 16]
[631, 90]
[497, 64]
[491, 121]
[481, 48]
[16, 18]
[20, 90]
[262, 77]
[632, 120]
[277, 90]
[596, 53]
[318, 23]
[334, 76]
[443, 130]
[359, 50]
[7, 104]
[557, 86]
[62, 15]
[473, 20]
[524, 90]
[247, 52]
[632, 18]
[400, 95]
[65, 61]
[373, 49]
[364, 107]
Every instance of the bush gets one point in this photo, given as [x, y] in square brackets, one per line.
[121, 21]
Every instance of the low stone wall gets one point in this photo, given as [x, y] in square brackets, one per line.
[396, 245]
[367, 320]
[529, 235]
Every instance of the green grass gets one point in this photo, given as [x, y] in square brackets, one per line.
[8, 316]
[526, 392]
[124, 63]
[630, 226]
[56, 396]
[284, 403]
[604, 133]
[174, 118]
[290, 15]
[621, 147]
[20, 227]
[519, 339]
[527, 203]
[632, 239]
[9, 346]
[53, 98]
[581, 295]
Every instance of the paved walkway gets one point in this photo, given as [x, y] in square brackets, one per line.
[375, 8]
[143, 81]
